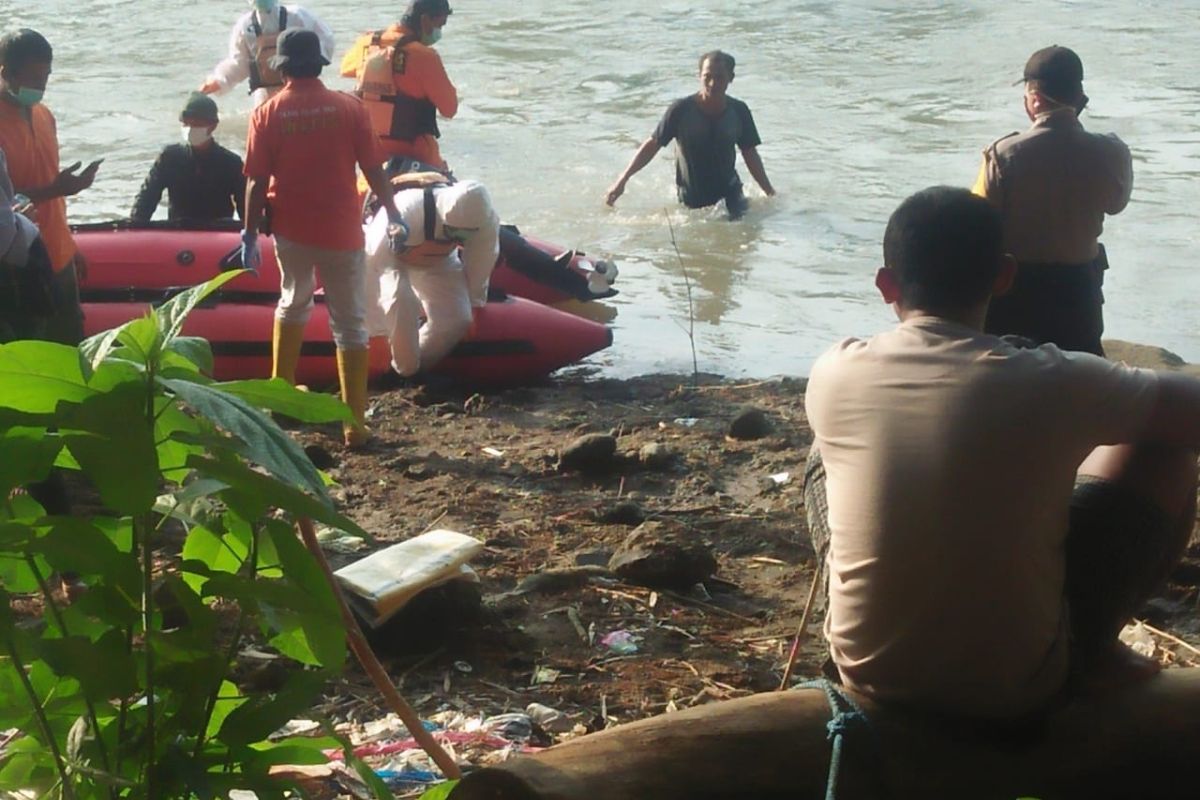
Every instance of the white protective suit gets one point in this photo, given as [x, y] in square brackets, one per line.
[443, 289]
[243, 44]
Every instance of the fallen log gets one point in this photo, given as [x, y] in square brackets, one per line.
[1136, 742]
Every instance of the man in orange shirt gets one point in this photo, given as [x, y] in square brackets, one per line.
[403, 83]
[301, 153]
[29, 138]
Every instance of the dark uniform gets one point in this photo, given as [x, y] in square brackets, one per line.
[1054, 184]
[200, 184]
[705, 171]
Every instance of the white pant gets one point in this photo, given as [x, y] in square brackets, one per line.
[437, 292]
[343, 274]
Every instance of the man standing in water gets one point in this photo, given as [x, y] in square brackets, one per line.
[706, 127]
[401, 79]
[29, 138]
[252, 43]
[301, 151]
[202, 179]
[992, 515]
[1053, 185]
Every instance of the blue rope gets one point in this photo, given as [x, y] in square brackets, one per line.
[846, 717]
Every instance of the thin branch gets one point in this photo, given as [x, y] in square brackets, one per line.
[56, 613]
[39, 714]
[687, 282]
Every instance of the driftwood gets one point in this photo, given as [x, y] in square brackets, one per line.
[1142, 741]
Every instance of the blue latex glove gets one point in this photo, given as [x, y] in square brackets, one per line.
[251, 257]
[397, 232]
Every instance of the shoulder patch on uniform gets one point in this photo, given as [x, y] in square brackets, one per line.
[1002, 138]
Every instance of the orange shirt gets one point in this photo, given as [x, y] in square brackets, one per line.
[307, 139]
[31, 146]
[424, 78]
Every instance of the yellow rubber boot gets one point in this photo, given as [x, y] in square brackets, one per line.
[352, 372]
[286, 341]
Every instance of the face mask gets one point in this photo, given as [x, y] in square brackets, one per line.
[263, 5]
[195, 136]
[26, 96]
[433, 38]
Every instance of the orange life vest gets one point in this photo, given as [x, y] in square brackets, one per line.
[262, 74]
[433, 250]
[394, 115]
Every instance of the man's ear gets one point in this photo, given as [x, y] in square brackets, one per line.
[1006, 276]
[888, 285]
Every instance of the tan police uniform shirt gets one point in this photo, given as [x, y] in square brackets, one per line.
[950, 460]
[1053, 184]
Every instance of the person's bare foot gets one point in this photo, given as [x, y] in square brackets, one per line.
[1116, 667]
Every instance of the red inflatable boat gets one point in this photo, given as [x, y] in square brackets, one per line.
[164, 255]
[512, 340]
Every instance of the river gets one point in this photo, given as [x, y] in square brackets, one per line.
[859, 103]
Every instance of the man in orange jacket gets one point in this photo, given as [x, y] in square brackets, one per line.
[401, 79]
[29, 137]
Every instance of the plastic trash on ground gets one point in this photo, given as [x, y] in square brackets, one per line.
[622, 643]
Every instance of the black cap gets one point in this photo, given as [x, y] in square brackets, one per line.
[297, 47]
[434, 8]
[199, 106]
[1057, 69]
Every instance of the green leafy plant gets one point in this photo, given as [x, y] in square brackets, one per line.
[133, 690]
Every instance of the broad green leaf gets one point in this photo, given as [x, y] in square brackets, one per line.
[36, 376]
[75, 545]
[16, 574]
[196, 350]
[439, 792]
[264, 442]
[294, 750]
[275, 493]
[28, 454]
[103, 668]
[262, 715]
[213, 550]
[229, 697]
[94, 349]
[171, 420]
[171, 314]
[141, 338]
[280, 396]
[114, 443]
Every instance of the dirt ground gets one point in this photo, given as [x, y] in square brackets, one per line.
[485, 465]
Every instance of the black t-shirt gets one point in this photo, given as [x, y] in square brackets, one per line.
[200, 186]
[704, 164]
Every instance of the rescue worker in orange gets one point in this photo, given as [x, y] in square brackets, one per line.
[29, 138]
[301, 152]
[403, 82]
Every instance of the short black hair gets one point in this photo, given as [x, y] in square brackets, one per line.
[945, 246]
[307, 69]
[24, 46]
[718, 55]
[417, 8]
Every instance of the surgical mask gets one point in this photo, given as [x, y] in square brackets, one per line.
[195, 136]
[433, 38]
[263, 5]
[26, 96]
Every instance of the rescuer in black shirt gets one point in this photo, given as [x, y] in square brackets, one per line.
[203, 180]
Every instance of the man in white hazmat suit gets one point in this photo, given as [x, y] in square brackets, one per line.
[442, 274]
[252, 43]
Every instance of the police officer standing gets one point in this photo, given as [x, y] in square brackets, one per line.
[1054, 184]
